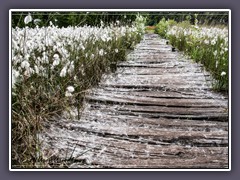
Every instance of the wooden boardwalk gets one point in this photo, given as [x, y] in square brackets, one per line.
[156, 111]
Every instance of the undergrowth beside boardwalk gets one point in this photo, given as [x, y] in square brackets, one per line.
[52, 68]
[205, 44]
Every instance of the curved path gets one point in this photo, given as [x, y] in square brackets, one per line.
[156, 111]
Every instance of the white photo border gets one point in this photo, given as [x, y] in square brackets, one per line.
[121, 10]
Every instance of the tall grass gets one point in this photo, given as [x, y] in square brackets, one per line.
[51, 70]
[205, 44]
[163, 26]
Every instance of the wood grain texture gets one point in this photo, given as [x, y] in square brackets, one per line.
[156, 111]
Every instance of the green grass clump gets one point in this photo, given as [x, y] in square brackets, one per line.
[163, 26]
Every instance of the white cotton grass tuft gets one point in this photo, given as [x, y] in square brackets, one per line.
[70, 89]
[36, 21]
[63, 72]
[223, 73]
[56, 60]
[101, 52]
[216, 64]
[92, 56]
[215, 53]
[25, 64]
[68, 94]
[15, 75]
[28, 18]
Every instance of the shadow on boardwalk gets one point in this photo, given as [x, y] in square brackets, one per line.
[156, 111]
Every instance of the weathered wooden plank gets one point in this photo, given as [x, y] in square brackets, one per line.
[172, 157]
[190, 77]
[109, 98]
[156, 65]
[163, 87]
[163, 137]
[157, 71]
[154, 56]
[153, 47]
[128, 152]
[160, 134]
[164, 61]
[110, 116]
[156, 115]
[158, 94]
[220, 111]
[158, 79]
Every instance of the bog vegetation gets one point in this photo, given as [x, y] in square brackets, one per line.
[205, 44]
[51, 69]
[56, 57]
